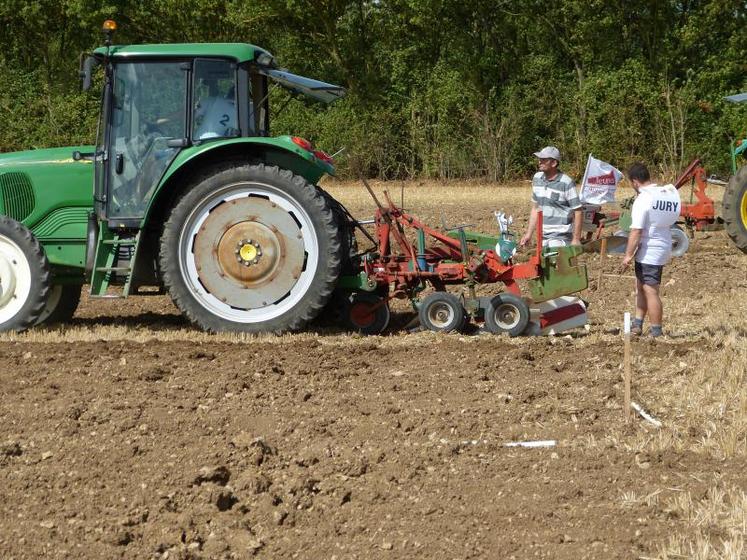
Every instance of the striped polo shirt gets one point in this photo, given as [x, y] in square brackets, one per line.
[557, 199]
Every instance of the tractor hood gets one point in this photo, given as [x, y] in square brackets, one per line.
[320, 91]
[51, 156]
[46, 189]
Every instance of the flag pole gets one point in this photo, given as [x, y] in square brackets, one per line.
[586, 173]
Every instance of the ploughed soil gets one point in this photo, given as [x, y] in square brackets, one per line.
[330, 445]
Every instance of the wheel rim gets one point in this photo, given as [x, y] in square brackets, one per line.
[249, 252]
[743, 209]
[440, 314]
[507, 316]
[15, 279]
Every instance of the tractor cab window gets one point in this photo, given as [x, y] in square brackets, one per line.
[148, 108]
[215, 113]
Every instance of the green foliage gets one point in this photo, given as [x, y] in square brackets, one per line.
[437, 88]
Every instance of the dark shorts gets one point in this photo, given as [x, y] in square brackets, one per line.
[648, 274]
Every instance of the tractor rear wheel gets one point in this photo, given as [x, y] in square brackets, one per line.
[61, 304]
[250, 248]
[735, 209]
[24, 276]
[507, 313]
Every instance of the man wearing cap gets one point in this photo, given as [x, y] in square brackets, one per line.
[554, 193]
[655, 210]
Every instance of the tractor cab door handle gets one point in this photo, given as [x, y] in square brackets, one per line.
[119, 164]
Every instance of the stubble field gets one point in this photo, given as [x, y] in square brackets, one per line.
[128, 433]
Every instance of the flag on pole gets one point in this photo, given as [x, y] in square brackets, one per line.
[600, 182]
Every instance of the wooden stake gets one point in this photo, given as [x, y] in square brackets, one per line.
[626, 366]
[602, 257]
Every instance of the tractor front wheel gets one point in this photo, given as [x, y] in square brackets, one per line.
[507, 313]
[735, 209]
[24, 276]
[61, 304]
[250, 248]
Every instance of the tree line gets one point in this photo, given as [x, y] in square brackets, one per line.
[436, 88]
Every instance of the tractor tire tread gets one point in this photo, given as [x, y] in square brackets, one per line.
[68, 305]
[735, 190]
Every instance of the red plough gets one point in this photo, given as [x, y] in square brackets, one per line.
[399, 267]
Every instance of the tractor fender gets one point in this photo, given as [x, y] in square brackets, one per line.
[190, 162]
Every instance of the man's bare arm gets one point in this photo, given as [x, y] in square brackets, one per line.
[634, 238]
[530, 227]
[578, 222]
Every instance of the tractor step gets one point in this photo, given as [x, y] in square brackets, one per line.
[120, 242]
[113, 269]
[114, 256]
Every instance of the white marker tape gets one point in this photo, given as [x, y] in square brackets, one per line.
[627, 324]
[644, 414]
[542, 443]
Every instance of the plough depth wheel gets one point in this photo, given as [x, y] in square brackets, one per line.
[367, 313]
[507, 313]
[441, 312]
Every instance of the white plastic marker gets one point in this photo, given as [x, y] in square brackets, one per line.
[645, 415]
[541, 443]
[626, 404]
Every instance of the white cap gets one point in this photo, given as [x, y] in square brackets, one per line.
[548, 152]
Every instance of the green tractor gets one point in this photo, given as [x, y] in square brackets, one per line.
[191, 196]
[735, 195]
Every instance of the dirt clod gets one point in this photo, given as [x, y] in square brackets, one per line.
[218, 475]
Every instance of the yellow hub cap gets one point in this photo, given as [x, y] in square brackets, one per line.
[743, 208]
[248, 252]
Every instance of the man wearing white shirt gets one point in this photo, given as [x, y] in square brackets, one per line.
[655, 210]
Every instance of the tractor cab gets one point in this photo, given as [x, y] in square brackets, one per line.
[159, 100]
[738, 146]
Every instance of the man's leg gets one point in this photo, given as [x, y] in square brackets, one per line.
[641, 305]
[651, 280]
[641, 301]
[655, 307]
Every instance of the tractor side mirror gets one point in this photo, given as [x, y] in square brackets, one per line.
[88, 63]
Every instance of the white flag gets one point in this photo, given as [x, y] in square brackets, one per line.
[600, 182]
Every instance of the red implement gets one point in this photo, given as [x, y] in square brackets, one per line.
[397, 261]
